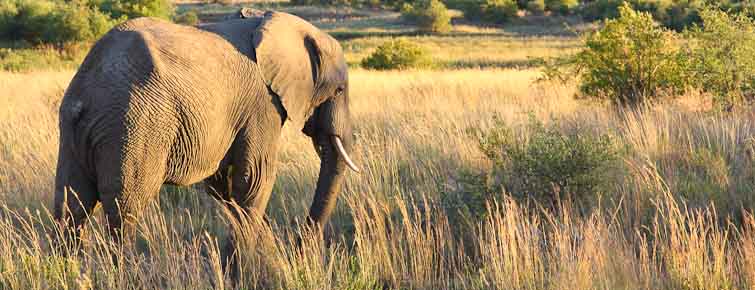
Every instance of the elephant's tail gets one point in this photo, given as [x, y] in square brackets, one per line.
[70, 114]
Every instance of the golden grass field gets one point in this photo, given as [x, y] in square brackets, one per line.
[678, 213]
[389, 231]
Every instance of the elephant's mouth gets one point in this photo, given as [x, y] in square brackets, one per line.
[342, 152]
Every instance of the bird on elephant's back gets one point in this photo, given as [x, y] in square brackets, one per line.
[155, 103]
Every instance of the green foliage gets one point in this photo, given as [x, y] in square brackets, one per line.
[680, 14]
[499, 11]
[187, 18]
[139, 8]
[675, 14]
[24, 19]
[630, 61]
[600, 9]
[494, 11]
[429, 15]
[561, 6]
[397, 54]
[77, 22]
[722, 56]
[54, 22]
[536, 7]
[542, 163]
[549, 165]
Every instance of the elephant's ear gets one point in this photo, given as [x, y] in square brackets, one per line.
[286, 50]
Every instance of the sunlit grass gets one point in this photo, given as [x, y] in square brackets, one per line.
[390, 229]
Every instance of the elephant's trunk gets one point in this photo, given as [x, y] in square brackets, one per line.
[332, 174]
[330, 128]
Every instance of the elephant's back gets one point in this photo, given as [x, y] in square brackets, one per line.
[164, 87]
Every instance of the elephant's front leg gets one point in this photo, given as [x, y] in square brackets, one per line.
[252, 175]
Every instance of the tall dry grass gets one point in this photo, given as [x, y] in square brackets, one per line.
[680, 217]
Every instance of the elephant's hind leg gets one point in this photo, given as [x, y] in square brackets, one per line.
[127, 187]
[75, 199]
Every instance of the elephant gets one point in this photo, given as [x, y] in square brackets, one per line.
[158, 103]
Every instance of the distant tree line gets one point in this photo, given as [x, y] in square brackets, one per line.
[674, 14]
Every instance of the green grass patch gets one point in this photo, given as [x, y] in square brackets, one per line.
[17, 58]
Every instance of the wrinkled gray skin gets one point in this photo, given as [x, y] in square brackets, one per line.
[157, 103]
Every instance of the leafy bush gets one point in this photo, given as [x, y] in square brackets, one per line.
[630, 61]
[397, 54]
[722, 56]
[746, 8]
[139, 8]
[429, 15]
[77, 23]
[548, 165]
[536, 7]
[187, 18]
[561, 6]
[495, 11]
[499, 11]
[600, 9]
[56, 22]
[675, 14]
[24, 19]
[681, 14]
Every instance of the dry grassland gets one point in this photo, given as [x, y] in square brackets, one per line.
[391, 231]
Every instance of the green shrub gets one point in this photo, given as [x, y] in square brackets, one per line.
[675, 14]
[397, 54]
[600, 9]
[630, 61]
[681, 14]
[561, 6]
[741, 7]
[56, 22]
[187, 18]
[494, 11]
[139, 8]
[547, 165]
[77, 22]
[722, 56]
[536, 7]
[499, 11]
[24, 19]
[429, 15]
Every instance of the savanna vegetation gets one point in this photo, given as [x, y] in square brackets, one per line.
[527, 155]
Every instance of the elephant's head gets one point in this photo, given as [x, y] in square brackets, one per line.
[306, 69]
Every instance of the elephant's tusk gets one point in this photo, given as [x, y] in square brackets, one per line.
[341, 151]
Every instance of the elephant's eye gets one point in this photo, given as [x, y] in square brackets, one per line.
[339, 91]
